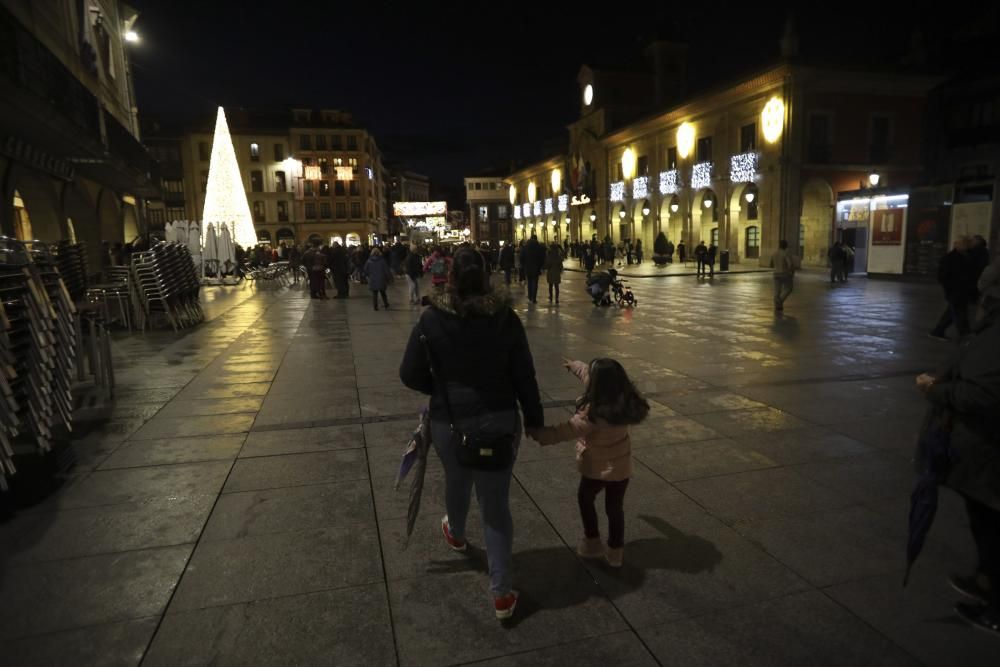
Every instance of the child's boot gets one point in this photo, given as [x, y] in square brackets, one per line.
[615, 557]
[590, 547]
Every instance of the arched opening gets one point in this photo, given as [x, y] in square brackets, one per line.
[109, 215]
[130, 222]
[744, 213]
[263, 236]
[704, 217]
[644, 225]
[816, 222]
[588, 224]
[315, 239]
[671, 218]
[336, 239]
[39, 217]
[620, 223]
[353, 239]
[285, 234]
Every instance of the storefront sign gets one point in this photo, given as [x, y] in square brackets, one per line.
[887, 226]
[582, 200]
[412, 208]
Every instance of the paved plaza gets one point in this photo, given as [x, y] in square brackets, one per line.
[239, 506]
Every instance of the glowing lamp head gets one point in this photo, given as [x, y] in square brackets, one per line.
[685, 139]
[674, 207]
[132, 36]
[588, 95]
[874, 178]
[628, 163]
[556, 181]
[593, 217]
[772, 119]
[621, 213]
[512, 194]
[708, 202]
[531, 192]
[645, 209]
[750, 196]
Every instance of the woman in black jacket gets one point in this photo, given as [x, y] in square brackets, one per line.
[480, 356]
[968, 391]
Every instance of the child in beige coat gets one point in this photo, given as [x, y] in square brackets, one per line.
[609, 405]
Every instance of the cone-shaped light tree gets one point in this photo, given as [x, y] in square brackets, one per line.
[226, 199]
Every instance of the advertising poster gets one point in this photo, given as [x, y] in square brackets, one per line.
[887, 226]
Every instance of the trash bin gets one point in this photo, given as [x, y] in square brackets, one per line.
[724, 260]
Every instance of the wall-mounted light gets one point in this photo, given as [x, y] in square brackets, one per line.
[708, 202]
[628, 163]
[772, 119]
[645, 208]
[531, 192]
[749, 196]
[874, 178]
[132, 36]
[674, 204]
[621, 213]
[512, 194]
[685, 139]
[593, 217]
[556, 181]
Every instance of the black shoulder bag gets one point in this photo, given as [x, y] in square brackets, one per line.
[473, 450]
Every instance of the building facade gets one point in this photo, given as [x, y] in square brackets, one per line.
[404, 186]
[488, 210]
[71, 164]
[311, 176]
[741, 166]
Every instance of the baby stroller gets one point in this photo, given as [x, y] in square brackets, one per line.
[598, 285]
[623, 293]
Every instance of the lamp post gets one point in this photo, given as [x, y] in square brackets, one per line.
[628, 172]
[685, 146]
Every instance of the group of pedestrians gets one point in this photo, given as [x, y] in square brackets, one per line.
[705, 259]
[470, 353]
[841, 258]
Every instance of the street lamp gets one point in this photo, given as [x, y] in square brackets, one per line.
[874, 178]
[132, 36]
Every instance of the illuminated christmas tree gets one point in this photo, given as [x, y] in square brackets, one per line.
[226, 198]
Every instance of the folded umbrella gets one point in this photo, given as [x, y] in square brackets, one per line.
[414, 463]
[935, 456]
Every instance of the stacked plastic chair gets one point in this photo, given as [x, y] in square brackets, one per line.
[165, 282]
[38, 346]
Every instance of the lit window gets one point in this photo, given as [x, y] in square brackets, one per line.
[255, 151]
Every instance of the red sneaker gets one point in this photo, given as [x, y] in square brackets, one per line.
[456, 545]
[504, 605]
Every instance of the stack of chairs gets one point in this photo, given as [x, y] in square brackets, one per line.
[38, 346]
[165, 282]
[71, 259]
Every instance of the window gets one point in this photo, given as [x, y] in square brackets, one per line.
[354, 165]
[752, 246]
[341, 211]
[336, 143]
[621, 174]
[310, 210]
[355, 210]
[819, 138]
[502, 212]
[171, 185]
[715, 237]
[479, 186]
[324, 166]
[880, 138]
[338, 162]
[324, 188]
[484, 213]
[307, 188]
[305, 142]
[255, 151]
[643, 166]
[204, 180]
[279, 182]
[321, 142]
[204, 154]
[672, 157]
[282, 211]
[704, 149]
[748, 138]
[324, 211]
[338, 188]
[354, 188]
[258, 211]
[176, 213]
[352, 142]
[279, 152]
[155, 216]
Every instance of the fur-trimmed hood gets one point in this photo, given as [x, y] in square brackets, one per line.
[481, 305]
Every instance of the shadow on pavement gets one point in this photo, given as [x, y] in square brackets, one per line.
[551, 578]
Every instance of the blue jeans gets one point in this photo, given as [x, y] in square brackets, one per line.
[492, 493]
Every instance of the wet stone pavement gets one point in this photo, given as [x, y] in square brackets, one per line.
[238, 508]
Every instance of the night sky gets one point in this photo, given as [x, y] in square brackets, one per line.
[455, 92]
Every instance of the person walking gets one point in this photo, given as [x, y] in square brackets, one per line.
[837, 258]
[294, 262]
[414, 269]
[956, 273]
[340, 268]
[609, 405]
[317, 273]
[670, 252]
[469, 352]
[517, 262]
[784, 265]
[589, 260]
[710, 254]
[638, 251]
[532, 262]
[699, 254]
[968, 391]
[554, 269]
[379, 276]
[681, 252]
[438, 265]
[507, 262]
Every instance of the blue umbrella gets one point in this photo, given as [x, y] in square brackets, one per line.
[935, 456]
[415, 460]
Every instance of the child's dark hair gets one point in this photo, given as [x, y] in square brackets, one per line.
[611, 396]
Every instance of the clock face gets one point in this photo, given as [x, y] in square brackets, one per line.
[588, 94]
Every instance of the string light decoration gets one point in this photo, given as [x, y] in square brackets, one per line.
[548, 206]
[536, 208]
[701, 175]
[618, 191]
[640, 187]
[670, 182]
[743, 167]
[226, 196]
[563, 202]
[526, 210]
[517, 212]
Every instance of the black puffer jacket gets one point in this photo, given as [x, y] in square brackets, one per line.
[480, 348]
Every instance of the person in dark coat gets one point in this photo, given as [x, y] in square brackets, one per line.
[481, 358]
[638, 251]
[837, 258]
[957, 276]
[413, 267]
[700, 251]
[507, 261]
[589, 259]
[379, 276]
[532, 262]
[681, 252]
[968, 390]
[294, 262]
[670, 252]
[316, 261]
[340, 268]
[710, 254]
[554, 269]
